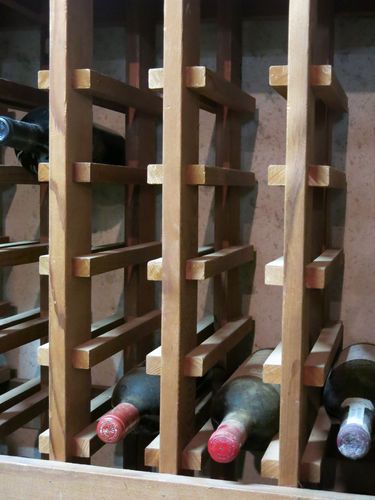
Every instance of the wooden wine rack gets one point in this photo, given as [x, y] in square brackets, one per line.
[309, 342]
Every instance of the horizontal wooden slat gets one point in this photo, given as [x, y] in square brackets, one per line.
[17, 253]
[153, 359]
[195, 454]
[14, 174]
[100, 173]
[208, 353]
[323, 80]
[18, 415]
[204, 175]
[97, 328]
[215, 88]
[209, 265]
[19, 393]
[86, 266]
[23, 333]
[318, 176]
[318, 362]
[318, 273]
[109, 92]
[16, 95]
[155, 266]
[270, 460]
[96, 350]
[15, 319]
[32, 478]
[312, 458]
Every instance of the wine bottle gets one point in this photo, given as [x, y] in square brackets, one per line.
[245, 412]
[349, 395]
[30, 139]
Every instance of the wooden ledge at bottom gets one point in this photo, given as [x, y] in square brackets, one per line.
[323, 176]
[318, 362]
[318, 273]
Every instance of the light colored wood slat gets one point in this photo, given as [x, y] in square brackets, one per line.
[14, 254]
[215, 88]
[201, 268]
[155, 267]
[209, 352]
[323, 80]
[109, 92]
[195, 453]
[23, 333]
[319, 361]
[312, 458]
[97, 328]
[96, 350]
[204, 175]
[19, 393]
[205, 328]
[270, 460]
[69, 481]
[19, 318]
[99, 173]
[101, 403]
[318, 176]
[16, 95]
[86, 266]
[318, 273]
[272, 366]
[16, 416]
[14, 174]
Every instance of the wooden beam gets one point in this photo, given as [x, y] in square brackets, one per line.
[15, 254]
[270, 460]
[215, 347]
[318, 273]
[15, 174]
[16, 95]
[323, 80]
[19, 393]
[201, 268]
[15, 319]
[272, 367]
[318, 176]
[32, 478]
[204, 175]
[22, 333]
[92, 352]
[109, 92]
[90, 265]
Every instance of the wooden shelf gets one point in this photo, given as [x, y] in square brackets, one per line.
[23, 333]
[17, 253]
[204, 175]
[86, 266]
[108, 92]
[323, 80]
[100, 173]
[317, 364]
[16, 95]
[209, 85]
[313, 455]
[16, 416]
[155, 266]
[201, 268]
[205, 328]
[106, 345]
[19, 393]
[97, 328]
[215, 347]
[323, 176]
[15, 319]
[318, 273]
[15, 174]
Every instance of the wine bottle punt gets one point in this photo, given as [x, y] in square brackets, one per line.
[349, 395]
[30, 139]
[245, 413]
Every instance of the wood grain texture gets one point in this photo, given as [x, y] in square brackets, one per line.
[108, 92]
[15, 254]
[204, 175]
[86, 266]
[14, 174]
[19, 393]
[31, 477]
[19, 96]
[318, 176]
[22, 333]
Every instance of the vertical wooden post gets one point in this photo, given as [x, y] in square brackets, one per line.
[180, 229]
[299, 150]
[70, 222]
